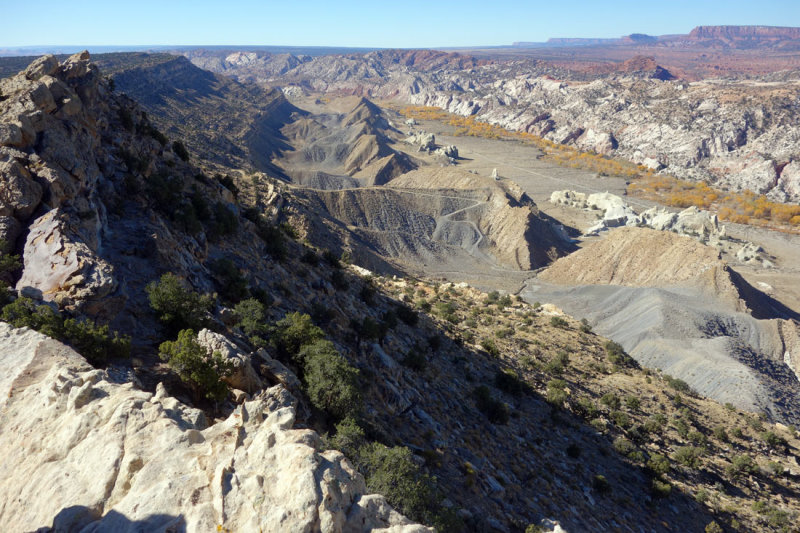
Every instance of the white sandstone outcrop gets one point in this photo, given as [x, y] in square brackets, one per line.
[82, 453]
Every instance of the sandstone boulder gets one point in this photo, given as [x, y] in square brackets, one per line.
[424, 141]
[43, 66]
[61, 268]
[19, 194]
[789, 181]
[244, 377]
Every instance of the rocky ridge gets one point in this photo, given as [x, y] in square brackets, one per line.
[102, 455]
[703, 225]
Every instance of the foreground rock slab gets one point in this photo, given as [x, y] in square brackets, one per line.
[82, 453]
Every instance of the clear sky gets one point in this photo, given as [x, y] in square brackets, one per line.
[378, 23]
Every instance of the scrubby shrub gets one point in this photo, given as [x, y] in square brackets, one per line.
[148, 129]
[773, 440]
[632, 402]
[695, 437]
[557, 364]
[180, 150]
[339, 280]
[97, 343]
[573, 450]
[200, 370]
[509, 382]
[164, 190]
[586, 408]
[251, 318]
[620, 419]
[741, 465]
[655, 423]
[310, 257]
[227, 182]
[9, 263]
[490, 347]
[658, 464]
[125, 116]
[367, 294]
[231, 284]
[775, 468]
[610, 400]
[720, 434]
[178, 307]
[702, 496]
[393, 473]
[688, 456]
[331, 381]
[423, 304]
[623, 446]
[559, 322]
[502, 333]
[366, 329]
[661, 489]
[185, 217]
[225, 221]
[330, 258]
[678, 384]
[415, 360]
[681, 427]
[600, 484]
[407, 316]
[617, 356]
[24, 312]
[496, 411]
[274, 240]
[292, 332]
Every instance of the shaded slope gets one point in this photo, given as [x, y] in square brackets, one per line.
[352, 145]
[217, 118]
[435, 217]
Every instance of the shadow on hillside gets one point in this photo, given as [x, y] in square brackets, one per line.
[79, 517]
[542, 454]
[763, 306]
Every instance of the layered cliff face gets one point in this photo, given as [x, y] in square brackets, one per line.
[744, 36]
[230, 124]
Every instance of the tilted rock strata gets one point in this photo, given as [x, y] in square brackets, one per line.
[84, 452]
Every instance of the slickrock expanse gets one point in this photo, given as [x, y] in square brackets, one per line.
[272, 297]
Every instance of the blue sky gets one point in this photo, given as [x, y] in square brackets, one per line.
[378, 23]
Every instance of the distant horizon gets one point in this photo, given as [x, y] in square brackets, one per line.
[9, 51]
[358, 24]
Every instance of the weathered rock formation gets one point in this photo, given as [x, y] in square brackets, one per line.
[82, 452]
